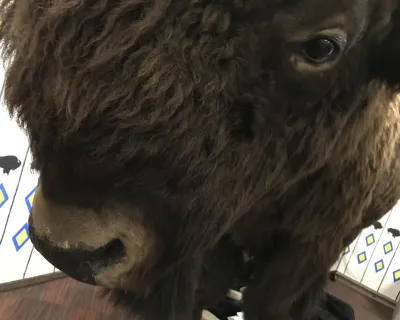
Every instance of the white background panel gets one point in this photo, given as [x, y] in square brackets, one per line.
[15, 247]
[362, 253]
[390, 286]
[346, 257]
[336, 265]
[364, 250]
[382, 256]
[13, 149]
[8, 187]
[17, 256]
[342, 262]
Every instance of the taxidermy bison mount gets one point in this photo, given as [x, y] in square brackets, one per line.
[170, 135]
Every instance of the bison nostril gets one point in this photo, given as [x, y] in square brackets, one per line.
[110, 254]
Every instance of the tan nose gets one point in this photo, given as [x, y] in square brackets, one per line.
[106, 248]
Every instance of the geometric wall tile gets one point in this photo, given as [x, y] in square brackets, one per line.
[379, 263]
[362, 257]
[345, 258]
[3, 195]
[29, 199]
[370, 239]
[21, 237]
[379, 266]
[388, 247]
[361, 266]
[396, 275]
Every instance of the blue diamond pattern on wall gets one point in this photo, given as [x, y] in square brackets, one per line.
[396, 275]
[3, 195]
[379, 266]
[21, 237]
[370, 239]
[346, 250]
[362, 257]
[388, 247]
[29, 199]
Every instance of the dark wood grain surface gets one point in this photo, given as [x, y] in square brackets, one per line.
[66, 299]
[63, 299]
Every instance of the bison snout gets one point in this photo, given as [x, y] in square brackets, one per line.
[107, 248]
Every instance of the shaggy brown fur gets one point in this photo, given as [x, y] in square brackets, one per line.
[194, 113]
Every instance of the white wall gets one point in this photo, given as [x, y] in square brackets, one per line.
[373, 259]
[18, 259]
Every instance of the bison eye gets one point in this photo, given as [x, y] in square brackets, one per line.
[323, 49]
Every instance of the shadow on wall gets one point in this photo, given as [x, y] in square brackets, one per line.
[9, 163]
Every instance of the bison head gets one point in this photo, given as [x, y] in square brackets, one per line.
[160, 126]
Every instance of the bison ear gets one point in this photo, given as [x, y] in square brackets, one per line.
[385, 63]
